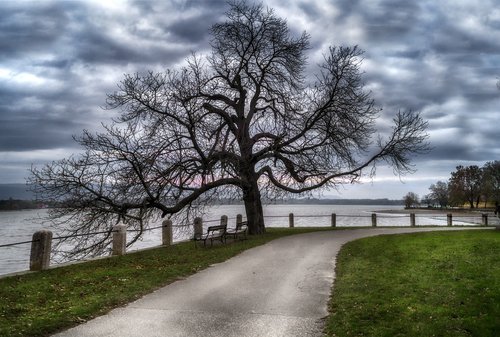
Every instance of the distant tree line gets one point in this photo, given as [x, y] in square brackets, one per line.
[315, 201]
[468, 185]
[14, 204]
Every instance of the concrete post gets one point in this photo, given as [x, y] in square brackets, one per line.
[198, 227]
[374, 220]
[119, 239]
[167, 237]
[223, 220]
[40, 250]
[484, 218]
[449, 219]
[412, 220]
[239, 219]
[290, 220]
[334, 220]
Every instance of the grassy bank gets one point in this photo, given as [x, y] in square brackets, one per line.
[425, 284]
[38, 304]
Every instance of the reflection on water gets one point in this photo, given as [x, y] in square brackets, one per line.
[17, 226]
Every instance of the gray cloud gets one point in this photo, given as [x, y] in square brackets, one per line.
[27, 28]
[58, 59]
[39, 135]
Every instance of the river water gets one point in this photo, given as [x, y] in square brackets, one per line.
[19, 226]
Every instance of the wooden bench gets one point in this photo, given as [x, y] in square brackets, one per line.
[240, 229]
[213, 233]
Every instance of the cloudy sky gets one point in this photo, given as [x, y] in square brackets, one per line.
[58, 59]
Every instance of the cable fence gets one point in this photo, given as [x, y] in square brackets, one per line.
[41, 242]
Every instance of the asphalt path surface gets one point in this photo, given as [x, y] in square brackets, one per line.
[278, 289]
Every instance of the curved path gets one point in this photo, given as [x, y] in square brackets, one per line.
[278, 289]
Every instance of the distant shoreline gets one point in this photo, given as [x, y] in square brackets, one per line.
[23, 204]
[474, 211]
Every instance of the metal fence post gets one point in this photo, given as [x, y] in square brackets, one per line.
[40, 250]
[374, 220]
[412, 220]
[290, 220]
[334, 220]
[119, 239]
[167, 237]
[449, 219]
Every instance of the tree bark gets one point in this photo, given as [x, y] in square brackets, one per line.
[253, 206]
[471, 203]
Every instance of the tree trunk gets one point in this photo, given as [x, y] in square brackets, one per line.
[253, 206]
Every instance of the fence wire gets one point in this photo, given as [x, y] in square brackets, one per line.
[295, 216]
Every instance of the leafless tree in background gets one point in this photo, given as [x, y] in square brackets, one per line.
[242, 122]
[466, 185]
[440, 193]
[491, 181]
[411, 200]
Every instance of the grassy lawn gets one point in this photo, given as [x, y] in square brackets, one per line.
[38, 304]
[425, 284]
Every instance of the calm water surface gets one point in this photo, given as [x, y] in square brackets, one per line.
[18, 226]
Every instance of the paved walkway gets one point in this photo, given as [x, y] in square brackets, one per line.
[278, 289]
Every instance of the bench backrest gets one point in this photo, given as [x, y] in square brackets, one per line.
[219, 228]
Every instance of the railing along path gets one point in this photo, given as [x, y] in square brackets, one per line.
[41, 242]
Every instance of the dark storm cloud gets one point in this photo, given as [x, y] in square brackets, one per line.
[311, 10]
[412, 54]
[189, 21]
[389, 19]
[26, 29]
[36, 134]
[193, 30]
[58, 59]
[55, 55]
[382, 20]
[439, 58]
[464, 43]
[451, 151]
[95, 47]
[28, 124]
[58, 63]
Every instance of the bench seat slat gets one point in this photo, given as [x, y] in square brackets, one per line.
[213, 232]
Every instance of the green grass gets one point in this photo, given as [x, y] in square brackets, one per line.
[38, 304]
[424, 284]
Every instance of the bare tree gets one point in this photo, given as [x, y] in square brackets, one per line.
[440, 193]
[242, 123]
[466, 184]
[411, 200]
[491, 181]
